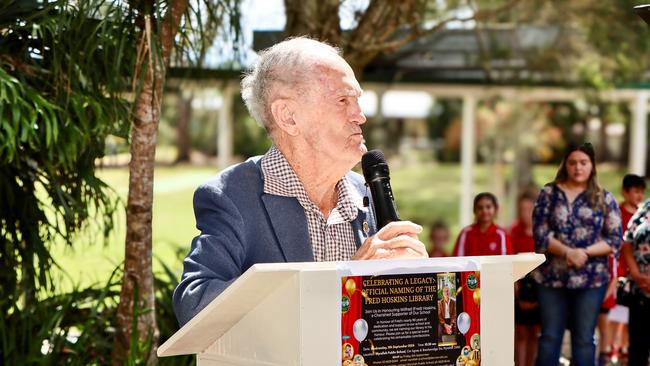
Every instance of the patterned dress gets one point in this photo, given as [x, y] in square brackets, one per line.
[577, 225]
[638, 235]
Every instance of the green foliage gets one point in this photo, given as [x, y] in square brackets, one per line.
[250, 138]
[165, 283]
[72, 329]
[63, 69]
[77, 328]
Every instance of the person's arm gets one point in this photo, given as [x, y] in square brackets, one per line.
[613, 276]
[598, 249]
[396, 240]
[542, 232]
[216, 257]
[628, 257]
[641, 279]
[441, 312]
[575, 257]
[452, 312]
[611, 234]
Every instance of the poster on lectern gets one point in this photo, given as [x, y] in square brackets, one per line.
[411, 319]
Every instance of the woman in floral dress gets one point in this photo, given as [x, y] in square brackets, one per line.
[636, 250]
[577, 224]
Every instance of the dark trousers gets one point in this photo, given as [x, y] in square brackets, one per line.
[639, 326]
[576, 309]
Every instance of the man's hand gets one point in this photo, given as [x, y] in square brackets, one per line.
[398, 239]
[448, 328]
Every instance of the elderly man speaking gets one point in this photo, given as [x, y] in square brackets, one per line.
[299, 202]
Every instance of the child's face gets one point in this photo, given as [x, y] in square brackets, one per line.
[439, 238]
[526, 211]
[485, 211]
[633, 196]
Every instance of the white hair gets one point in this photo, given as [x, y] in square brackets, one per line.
[285, 64]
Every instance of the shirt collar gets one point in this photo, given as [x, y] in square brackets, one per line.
[491, 229]
[281, 180]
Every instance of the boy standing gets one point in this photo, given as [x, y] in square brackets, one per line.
[615, 336]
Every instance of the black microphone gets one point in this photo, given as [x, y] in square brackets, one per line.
[375, 170]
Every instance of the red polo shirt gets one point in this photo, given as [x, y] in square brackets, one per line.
[521, 241]
[625, 219]
[472, 242]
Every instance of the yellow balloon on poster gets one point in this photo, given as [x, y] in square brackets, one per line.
[350, 286]
[477, 297]
[343, 280]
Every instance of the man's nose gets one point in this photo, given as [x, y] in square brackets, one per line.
[357, 114]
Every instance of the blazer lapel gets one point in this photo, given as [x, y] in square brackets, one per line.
[290, 226]
[362, 226]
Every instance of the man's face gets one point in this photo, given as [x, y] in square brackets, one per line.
[329, 115]
[445, 293]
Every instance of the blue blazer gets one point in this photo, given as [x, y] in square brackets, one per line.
[241, 225]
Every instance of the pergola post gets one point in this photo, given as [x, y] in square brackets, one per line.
[225, 127]
[467, 159]
[638, 134]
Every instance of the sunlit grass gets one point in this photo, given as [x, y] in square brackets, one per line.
[90, 261]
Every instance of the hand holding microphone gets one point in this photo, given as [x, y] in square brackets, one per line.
[395, 238]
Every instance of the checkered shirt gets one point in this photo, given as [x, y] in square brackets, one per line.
[332, 239]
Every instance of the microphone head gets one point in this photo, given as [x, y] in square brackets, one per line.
[372, 157]
[373, 163]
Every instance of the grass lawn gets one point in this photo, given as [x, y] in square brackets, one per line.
[424, 192]
[90, 261]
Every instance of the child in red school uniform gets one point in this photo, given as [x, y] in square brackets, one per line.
[527, 318]
[439, 239]
[614, 329]
[483, 237]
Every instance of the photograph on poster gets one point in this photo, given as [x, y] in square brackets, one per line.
[447, 329]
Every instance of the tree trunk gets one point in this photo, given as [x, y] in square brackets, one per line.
[138, 275]
[182, 128]
[314, 18]
[137, 300]
[375, 31]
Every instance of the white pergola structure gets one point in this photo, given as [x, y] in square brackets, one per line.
[470, 96]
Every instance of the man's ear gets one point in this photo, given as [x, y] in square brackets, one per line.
[282, 111]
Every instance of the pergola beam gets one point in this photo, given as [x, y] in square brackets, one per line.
[525, 94]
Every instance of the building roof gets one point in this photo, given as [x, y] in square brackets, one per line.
[457, 55]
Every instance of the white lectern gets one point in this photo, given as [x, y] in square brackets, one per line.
[290, 313]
